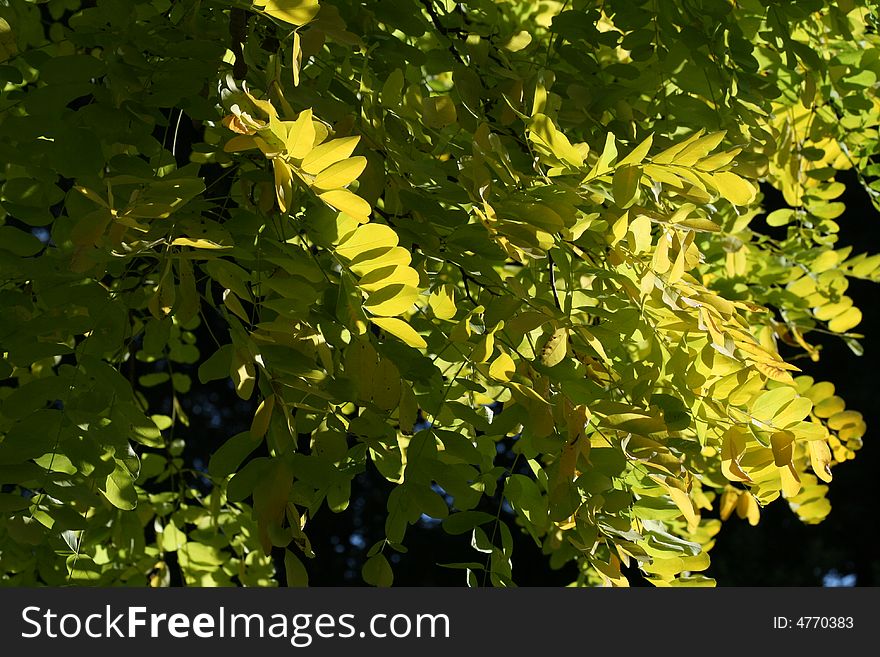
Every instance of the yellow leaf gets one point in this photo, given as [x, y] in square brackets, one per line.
[367, 238]
[735, 189]
[638, 154]
[729, 499]
[719, 160]
[369, 261]
[283, 183]
[198, 243]
[301, 135]
[603, 164]
[844, 419]
[747, 508]
[328, 153]
[685, 505]
[820, 459]
[502, 368]
[400, 330]
[556, 348]
[791, 483]
[341, 174]
[390, 275]
[698, 149]
[392, 300]
[260, 423]
[845, 321]
[442, 302]
[732, 448]
[543, 132]
[239, 143]
[243, 375]
[668, 156]
[349, 203]
[518, 41]
[484, 349]
[771, 402]
[295, 12]
[296, 59]
[639, 234]
[829, 406]
[782, 444]
[832, 310]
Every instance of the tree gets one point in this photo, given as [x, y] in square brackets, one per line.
[513, 256]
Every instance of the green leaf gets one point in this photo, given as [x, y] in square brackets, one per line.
[463, 522]
[294, 570]
[119, 490]
[626, 185]
[18, 242]
[377, 571]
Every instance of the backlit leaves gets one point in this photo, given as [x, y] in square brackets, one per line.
[551, 255]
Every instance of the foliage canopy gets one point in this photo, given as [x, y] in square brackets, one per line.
[420, 236]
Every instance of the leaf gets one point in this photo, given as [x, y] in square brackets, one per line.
[340, 174]
[543, 132]
[231, 454]
[846, 321]
[8, 45]
[782, 444]
[295, 12]
[377, 571]
[555, 348]
[283, 184]
[820, 459]
[260, 423]
[698, 149]
[296, 58]
[685, 505]
[668, 156]
[301, 135]
[780, 217]
[438, 111]
[747, 508]
[351, 204]
[392, 300]
[771, 402]
[502, 368]
[442, 302]
[18, 242]
[119, 489]
[638, 154]
[294, 571]
[367, 238]
[603, 164]
[626, 185]
[732, 449]
[328, 153]
[381, 277]
[197, 243]
[401, 330]
[735, 189]
[243, 375]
